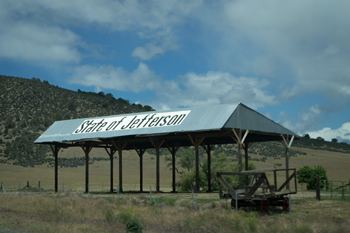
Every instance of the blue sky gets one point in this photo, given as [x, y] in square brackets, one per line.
[289, 60]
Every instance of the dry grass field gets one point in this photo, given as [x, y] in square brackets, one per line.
[337, 166]
[73, 211]
[77, 212]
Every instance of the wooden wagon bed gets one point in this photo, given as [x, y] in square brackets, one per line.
[259, 192]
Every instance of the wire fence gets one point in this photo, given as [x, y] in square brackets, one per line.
[335, 190]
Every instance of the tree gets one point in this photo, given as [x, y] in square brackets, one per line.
[306, 136]
[101, 93]
[109, 96]
[148, 108]
[220, 163]
[308, 175]
[334, 140]
[320, 138]
[186, 159]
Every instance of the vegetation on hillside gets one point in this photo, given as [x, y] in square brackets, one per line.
[28, 107]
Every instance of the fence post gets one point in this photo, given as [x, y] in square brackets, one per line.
[150, 193]
[192, 196]
[318, 193]
[39, 188]
[19, 187]
[290, 205]
[331, 189]
[236, 201]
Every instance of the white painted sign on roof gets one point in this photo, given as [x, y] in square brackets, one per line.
[150, 120]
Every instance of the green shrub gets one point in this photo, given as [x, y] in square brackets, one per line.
[131, 220]
[308, 175]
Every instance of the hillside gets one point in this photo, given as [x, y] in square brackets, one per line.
[28, 107]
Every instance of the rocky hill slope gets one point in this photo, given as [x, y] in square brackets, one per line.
[29, 106]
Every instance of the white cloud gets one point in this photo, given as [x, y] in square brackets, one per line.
[214, 88]
[36, 29]
[152, 49]
[342, 133]
[22, 40]
[303, 43]
[306, 120]
[189, 90]
[110, 77]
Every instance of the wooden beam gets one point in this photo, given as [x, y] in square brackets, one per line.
[239, 139]
[120, 147]
[244, 137]
[286, 183]
[291, 141]
[250, 144]
[86, 150]
[157, 145]
[285, 142]
[191, 139]
[140, 153]
[55, 151]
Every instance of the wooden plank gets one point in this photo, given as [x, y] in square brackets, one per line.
[287, 181]
[253, 189]
[245, 135]
[259, 171]
[224, 183]
[251, 172]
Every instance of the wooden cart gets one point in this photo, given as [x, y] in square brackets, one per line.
[259, 192]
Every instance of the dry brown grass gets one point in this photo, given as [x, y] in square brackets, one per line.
[335, 163]
[75, 212]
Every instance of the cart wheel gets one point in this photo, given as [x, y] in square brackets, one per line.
[264, 206]
[233, 203]
[286, 204]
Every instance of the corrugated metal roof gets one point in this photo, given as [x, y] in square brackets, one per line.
[206, 118]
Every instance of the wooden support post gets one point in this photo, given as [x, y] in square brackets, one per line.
[55, 149]
[111, 172]
[86, 172]
[56, 169]
[240, 161]
[120, 154]
[111, 154]
[157, 145]
[197, 164]
[86, 150]
[208, 148]
[240, 142]
[141, 172]
[196, 142]
[288, 144]
[157, 170]
[287, 162]
[209, 167]
[120, 147]
[173, 151]
[140, 153]
[318, 192]
[246, 163]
